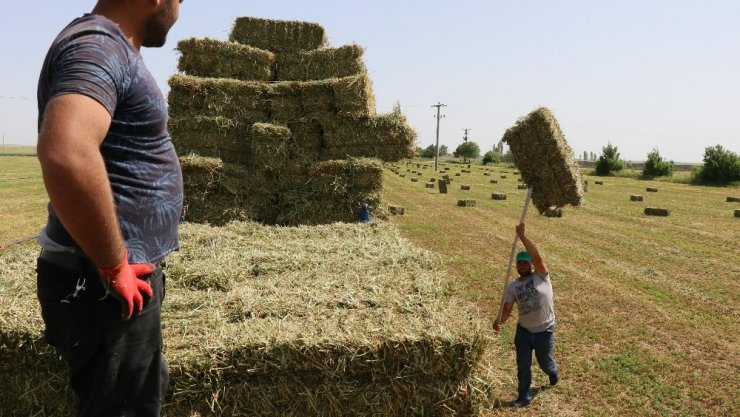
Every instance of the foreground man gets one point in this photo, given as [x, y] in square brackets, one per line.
[115, 191]
[532, 292]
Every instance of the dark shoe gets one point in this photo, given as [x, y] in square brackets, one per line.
[519, 403]
[554, 378]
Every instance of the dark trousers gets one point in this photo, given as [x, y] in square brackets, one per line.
[116, 367]
[543, 344]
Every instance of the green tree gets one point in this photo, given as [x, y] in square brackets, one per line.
[609, 162]
[467, 151]
[429, 151]
[656, 166]
[721, 166]
[491, 158]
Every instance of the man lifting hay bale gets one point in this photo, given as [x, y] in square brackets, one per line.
[547, 164]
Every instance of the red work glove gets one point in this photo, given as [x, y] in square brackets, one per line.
[123, 283]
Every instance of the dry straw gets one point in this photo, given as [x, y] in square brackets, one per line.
[278, 35]
[216, 137]
[320, 64]
[545, 160]
[218, 59]
[333, 320]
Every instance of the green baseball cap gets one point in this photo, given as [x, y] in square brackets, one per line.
[523, 256]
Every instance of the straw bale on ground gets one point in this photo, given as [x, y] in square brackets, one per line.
[278, 35]
[545, 160]
[218, 59]
[657, 211]
[731, 199]
[340, 320]
[320, 64]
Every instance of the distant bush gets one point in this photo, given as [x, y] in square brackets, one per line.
[721, 166]
[656, 166]
[609, 162]
[491, 158]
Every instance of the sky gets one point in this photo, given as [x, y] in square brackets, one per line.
[661, 74]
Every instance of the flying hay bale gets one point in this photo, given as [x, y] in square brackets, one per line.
[320, 64]
[733, 199]
[218, 59]
[498, 196]
[545, 160]
[397, 210]
[466, 203]
[655, 211]
[278, 35]
[636, 197]
[465, 187]
[651, 190]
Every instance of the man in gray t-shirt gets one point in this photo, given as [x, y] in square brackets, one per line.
[532, 292]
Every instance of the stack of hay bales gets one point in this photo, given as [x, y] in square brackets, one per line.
[284, 114]
[340, 320]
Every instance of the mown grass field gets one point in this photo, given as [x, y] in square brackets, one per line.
[647, 307]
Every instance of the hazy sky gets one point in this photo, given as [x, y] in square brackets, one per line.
[638, 74]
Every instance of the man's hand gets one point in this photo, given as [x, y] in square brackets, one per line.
[123, 283]
[496, 326]
[520, 231]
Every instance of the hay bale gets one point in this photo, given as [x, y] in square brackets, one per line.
[493, 181]
[733, 199]
[429, 185]
[252, 102]
[498, 196]
[503, 176]
[442, 186]
[320, 64]
[651, 190]
[599, 182]
[414, 180]
[553, 212]
[271, 145]
[636, 197]
[545, 160]
[457, 174]
[216, 137]
[466, 203]
[521, 187]
[389, 129]
[486, 174]
[465, 187]
[278, 35]
[737, 212]
[218, 59]
[655, 211]
[397, 210]
[432, 179]
[288, 329]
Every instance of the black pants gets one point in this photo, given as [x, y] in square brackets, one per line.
[116, 367]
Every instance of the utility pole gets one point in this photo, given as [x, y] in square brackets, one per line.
[436, 149]
[465, 138]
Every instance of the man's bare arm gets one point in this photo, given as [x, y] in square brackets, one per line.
[537, 262]
[75, 177]
[505, 313]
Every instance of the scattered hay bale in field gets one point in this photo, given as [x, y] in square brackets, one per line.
[486, 174]
[553, 212]
[403, 175]
[218, 59]
[432, 179]
[465, 187]
[651, 190]
[457, 174]
[278, 35]
[320, 64]
[655, 211]
[503, 176]
[397, 210]
[733, 199]
[420, 173]
[498, 196]
[442, 186]
[466, 203]
[446, 178]
[522, 187]
[636, 197]
[545, 160]
[288, 328]
[429, 185]
[414, 179]
[737, 212]
[493, 181]
[599, 182]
